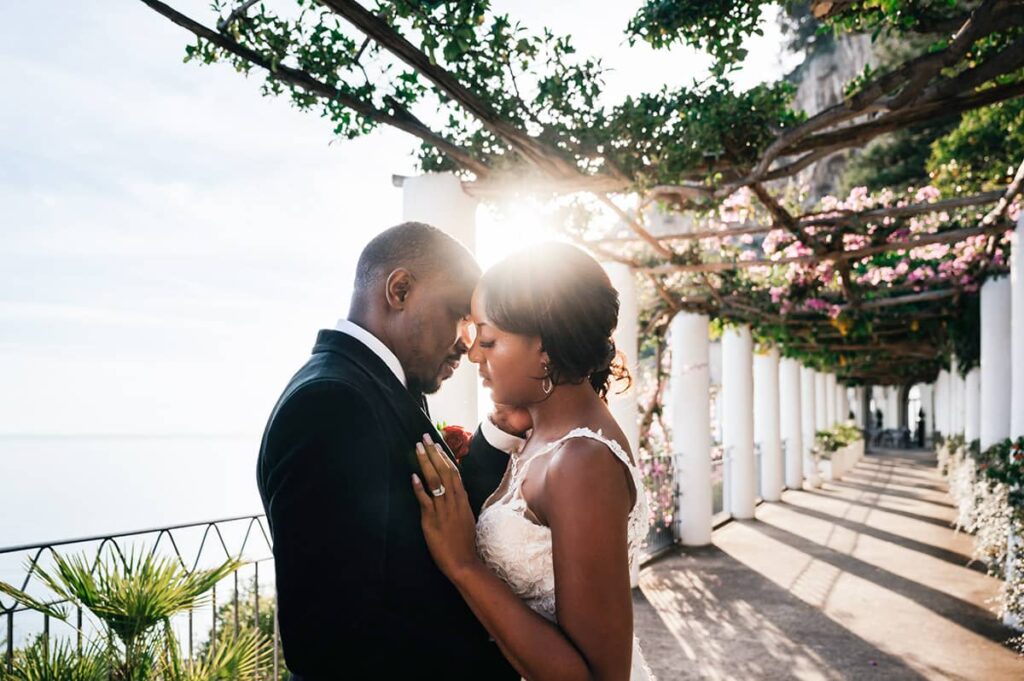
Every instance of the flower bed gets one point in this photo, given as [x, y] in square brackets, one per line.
[987, 489]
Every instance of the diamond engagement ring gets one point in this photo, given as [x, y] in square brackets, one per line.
[439, 492]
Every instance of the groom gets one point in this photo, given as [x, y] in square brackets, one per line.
[359, 596]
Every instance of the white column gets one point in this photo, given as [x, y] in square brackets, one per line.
[789, 422]
[624, 406]
[941, 402]
[809, 422]
[820, 401]
[1014, 544]
[766, 423]
[858, 406]
[950, 401]
[1017, 330]
[972, 405]
[691, 427]
[842, 404]
[830, 399]
[738, 418]
[995, 355]
[893, 408]
[956, 409]
[437, 199]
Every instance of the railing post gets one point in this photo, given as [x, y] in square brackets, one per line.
[236, 603]
[10, 640]
[213, 634]
[727, 480]
[256, 608]
[256, 589]
[277, 633]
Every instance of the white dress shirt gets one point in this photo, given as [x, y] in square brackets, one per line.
[495, 436]
[375, 344]
[499, 439]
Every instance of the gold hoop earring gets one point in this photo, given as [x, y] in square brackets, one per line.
[546, 384]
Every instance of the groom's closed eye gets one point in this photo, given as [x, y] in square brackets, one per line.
[467, 331]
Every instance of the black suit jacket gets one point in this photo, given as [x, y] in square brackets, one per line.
[358, 593]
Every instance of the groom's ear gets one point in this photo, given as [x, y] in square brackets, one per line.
[397, 288]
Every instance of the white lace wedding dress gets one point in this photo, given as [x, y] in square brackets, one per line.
[519, 550]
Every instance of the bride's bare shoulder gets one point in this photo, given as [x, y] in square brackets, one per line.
[583, 470]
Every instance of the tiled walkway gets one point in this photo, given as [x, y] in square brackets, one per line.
[862, 579]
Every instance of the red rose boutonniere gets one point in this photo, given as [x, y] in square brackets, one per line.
[457, 438]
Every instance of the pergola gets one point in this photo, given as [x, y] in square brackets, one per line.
[889, 288]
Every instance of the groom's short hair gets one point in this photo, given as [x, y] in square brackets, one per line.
[414, 245]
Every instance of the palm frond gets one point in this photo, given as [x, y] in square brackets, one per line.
[55, 610]
[135, 594]
[234, 657]
[60, 661]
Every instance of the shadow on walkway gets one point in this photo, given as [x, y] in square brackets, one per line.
[832, 583]
[704, 614]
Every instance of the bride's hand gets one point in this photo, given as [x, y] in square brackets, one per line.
[447, 519]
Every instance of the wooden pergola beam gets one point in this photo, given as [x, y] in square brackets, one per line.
[948, 236]
[637, 228]
[731, 230]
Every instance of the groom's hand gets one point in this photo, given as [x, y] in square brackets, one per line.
[513, 420]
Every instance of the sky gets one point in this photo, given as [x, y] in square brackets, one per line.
[170, 240]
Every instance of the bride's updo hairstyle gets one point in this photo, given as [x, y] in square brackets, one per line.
[560, 294]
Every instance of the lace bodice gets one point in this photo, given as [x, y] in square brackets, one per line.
[519, 550]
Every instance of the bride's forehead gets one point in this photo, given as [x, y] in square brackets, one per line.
[478, 305]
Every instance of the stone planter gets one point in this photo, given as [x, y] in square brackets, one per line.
[825, 470]
[856, 451]
[841, 461]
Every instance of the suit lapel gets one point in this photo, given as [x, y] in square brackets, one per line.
[409, 410]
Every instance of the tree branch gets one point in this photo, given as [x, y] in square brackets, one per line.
[237, 12]
[863, 132]
[782, 217]
[403, 120]
[386, 36]
[979, 24]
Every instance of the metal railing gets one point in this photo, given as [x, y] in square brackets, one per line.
[243, 538]
[660, 481]
[758, 491]
[720, 478]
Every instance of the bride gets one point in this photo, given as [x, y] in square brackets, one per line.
[546, 568]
